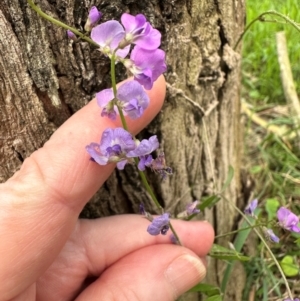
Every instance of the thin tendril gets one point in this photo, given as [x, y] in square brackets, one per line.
[260, 18]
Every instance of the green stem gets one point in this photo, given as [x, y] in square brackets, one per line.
[124, 124]
[148, 188]
[265, 244]
[260, 18]
[113, 75]
[114, 87]
[175, 234]
[60, 24]
[237, 231]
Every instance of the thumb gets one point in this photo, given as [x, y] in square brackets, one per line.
[158, 272]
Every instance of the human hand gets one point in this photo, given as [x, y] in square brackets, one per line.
[47, 254]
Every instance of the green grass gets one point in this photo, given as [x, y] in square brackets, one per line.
[274, 163]
[260, 67]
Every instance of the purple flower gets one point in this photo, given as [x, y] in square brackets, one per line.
[145, 147]
[113, 147]
[93, 18]
[143, 151]
[159, 165]
[142, 209]
[145, 213]
[269, 234]
[145, 161]
[173, 239]
[159, 225]
[288, 299]
[140, 32]
[108, 36]
[146, 65]
[131, 98]
[288, 220]
[192, 208]
[134, 100]
[251, 207]
[71, 35]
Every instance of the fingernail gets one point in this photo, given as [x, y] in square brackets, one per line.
[185, 272]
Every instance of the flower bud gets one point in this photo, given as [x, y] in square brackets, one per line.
[93, 18]
[270, 235]
[71, 35]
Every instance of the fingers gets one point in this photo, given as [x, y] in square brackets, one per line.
[121, 235]
[98, 244]
[40, 204]
[63, 162]
[134, 265]
[158, 272]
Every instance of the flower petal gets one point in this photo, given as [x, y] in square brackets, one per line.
[107, 32]
[94, 152]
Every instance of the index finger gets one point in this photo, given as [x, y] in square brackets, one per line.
[40, 203]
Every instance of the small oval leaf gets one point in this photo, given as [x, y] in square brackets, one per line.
[288, 266]
[221, 252]
[207, 289]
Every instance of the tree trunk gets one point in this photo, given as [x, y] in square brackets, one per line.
[45, 78]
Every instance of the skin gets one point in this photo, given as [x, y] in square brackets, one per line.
[47, 254]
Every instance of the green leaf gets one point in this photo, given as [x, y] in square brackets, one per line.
[288, 266]
[221, 252]
[239, 242]
[255, 169]
[214, 298]
[272, 206]
[209, 202]
[207, 289]
[229, 178]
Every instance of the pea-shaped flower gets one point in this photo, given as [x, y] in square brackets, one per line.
[249, 210]
[146, 65]
[113, 147]
[270, 235]
[288, 220]
[138, 31]
[159, 225]
[131, 99]
[143, 151]
[108, 36]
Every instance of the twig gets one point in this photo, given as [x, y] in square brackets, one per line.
[177, 91]
[287, 77]
[281, 132]
[180, 92]
[297, 181]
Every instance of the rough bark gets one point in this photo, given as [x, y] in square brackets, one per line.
[45, 78]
